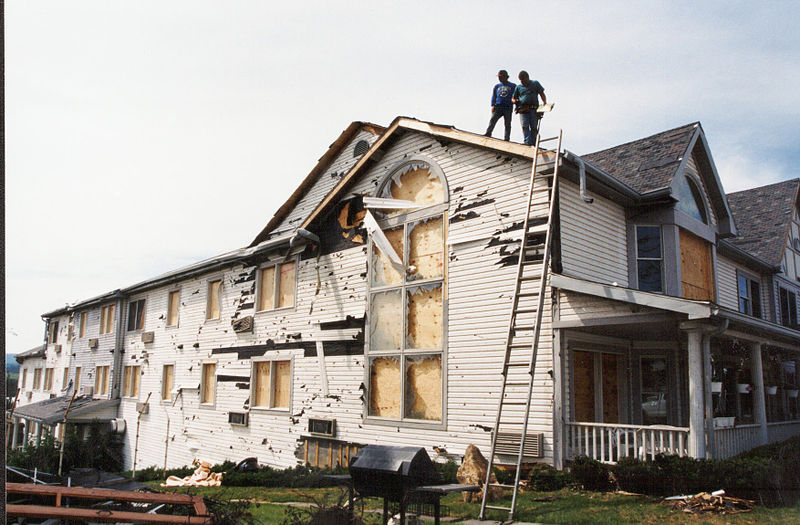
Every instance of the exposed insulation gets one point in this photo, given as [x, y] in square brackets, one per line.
[349, 220]
[172, 308]
[386, 320]
[415, 183]
[424, 387]
[261, 388]
[425, 314]
[425, 256]
[384, 387]
[383, 273]
[266, 297]
[283, 384]
[286, 291]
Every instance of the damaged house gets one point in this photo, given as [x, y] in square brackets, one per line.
[374, 308]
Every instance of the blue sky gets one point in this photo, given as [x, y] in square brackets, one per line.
[142, 136]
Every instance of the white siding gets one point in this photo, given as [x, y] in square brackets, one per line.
[593, 237]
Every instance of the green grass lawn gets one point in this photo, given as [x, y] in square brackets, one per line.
[563, 506]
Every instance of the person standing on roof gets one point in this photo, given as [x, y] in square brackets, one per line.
[501, 103]
[526, 97]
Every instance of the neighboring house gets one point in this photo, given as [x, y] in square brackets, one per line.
[350, 321]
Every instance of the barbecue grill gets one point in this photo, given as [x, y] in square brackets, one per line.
[391, 472]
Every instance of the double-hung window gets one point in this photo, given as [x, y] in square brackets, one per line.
[271, 384]
[37, 378]
[788, 302]
[649, 259]
[407, 280]
[52, 335]
[276, 285]
[101, 380]
[749, 295]
[136, 315]
[48, 379]
[107, 319]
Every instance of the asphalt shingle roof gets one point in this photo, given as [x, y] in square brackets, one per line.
[646, 164]
[33, 352]
[762, 218]
[52, 410]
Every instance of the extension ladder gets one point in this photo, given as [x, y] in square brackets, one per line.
[524, 325]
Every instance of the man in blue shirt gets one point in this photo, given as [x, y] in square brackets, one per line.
[526, 96]
[501, 103]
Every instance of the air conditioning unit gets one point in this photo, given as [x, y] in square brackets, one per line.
[238, 419]
[143, 408]
[322, 427]
[245, 324]
[148, 337]
[88, 390]
[57, 348]
[118, 426]
[94, 343]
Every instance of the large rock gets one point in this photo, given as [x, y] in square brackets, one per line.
[473, 472]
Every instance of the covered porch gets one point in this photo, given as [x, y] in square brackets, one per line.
[640, 374]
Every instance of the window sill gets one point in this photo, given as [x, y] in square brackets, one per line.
[275, 310]
[210, 406]
[415, 423]
[270, 410]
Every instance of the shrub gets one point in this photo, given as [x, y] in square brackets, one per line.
[591, 474]
[297, 477]
[546, 478]
[448, 471]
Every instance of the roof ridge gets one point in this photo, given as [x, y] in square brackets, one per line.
[692, 124]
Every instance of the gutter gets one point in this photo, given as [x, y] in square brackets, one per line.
[602, 177]
[736, 252]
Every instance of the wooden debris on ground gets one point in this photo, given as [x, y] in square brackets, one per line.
[202, 477]
[716, 502]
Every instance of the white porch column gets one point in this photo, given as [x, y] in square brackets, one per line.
[38, 433]
[15, 428]
[759, 401]
[697, 440]
[708, 404]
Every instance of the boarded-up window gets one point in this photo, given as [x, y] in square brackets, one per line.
[213, 299]
[385, 387]
[596, 383]
[386, 321]
[77, 378]
[383, 272]
[131, 382]
[610, 388]
[425, 316]
[697, 276]
[65, 378]
[286, 294]
[173, 302]
[82, 325]
[37, 378]
[107, 319]
[101, 380]
[272, 384]
[266, 297]
[209, 383]
[48, 379]
[426, 250]
[24, 378]
[52, 335]
[415, 182]
[424, 387]
[167, 382]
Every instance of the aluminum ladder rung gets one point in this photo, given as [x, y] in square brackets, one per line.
[532, 251]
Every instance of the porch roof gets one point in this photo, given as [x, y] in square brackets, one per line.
[51, 411]
[737, 324]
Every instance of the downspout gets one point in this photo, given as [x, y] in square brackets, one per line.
[119, 348]
[581, 174]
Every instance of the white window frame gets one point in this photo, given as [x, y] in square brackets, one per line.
[209, 282]
[253, 383]
[213, 402]
[750, 279]
[404, 220]
[276, 285]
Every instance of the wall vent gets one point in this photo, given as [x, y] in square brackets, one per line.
[88, 390]
[245, 324]
[148, 337]
[94, 343]
[238, 419]
[322, 427]
[361, 147]
[508, 445]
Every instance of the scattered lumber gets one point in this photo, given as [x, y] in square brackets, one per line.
[716, 503]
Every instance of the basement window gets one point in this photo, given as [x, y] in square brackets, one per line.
[278, 278]
[271, 384]
[406, 300]
[173, 302]
[101, 380]
[167, 382]
[749, 295]
[136, 315]
[649, 258]
[107, 319]
[131, 381]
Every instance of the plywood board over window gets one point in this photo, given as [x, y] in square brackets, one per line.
[167, 382]
[282, 389]
[425, 315]
[107, 319]
[209, 383]
[78, 371]
[583, 385]
[262, 372]
[424, 387]
[385, 387]
[266, 297]
[417, 185]
[697, 276]
[82, 326]
[101, 380]
[286, 285]
[426, 253]
[213, 300]
[173, 302]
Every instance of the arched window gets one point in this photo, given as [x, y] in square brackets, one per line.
[407, 283]
[690, 199]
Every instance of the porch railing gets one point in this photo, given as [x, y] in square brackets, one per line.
[782, 430]
[609, 443]
[735, 440]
